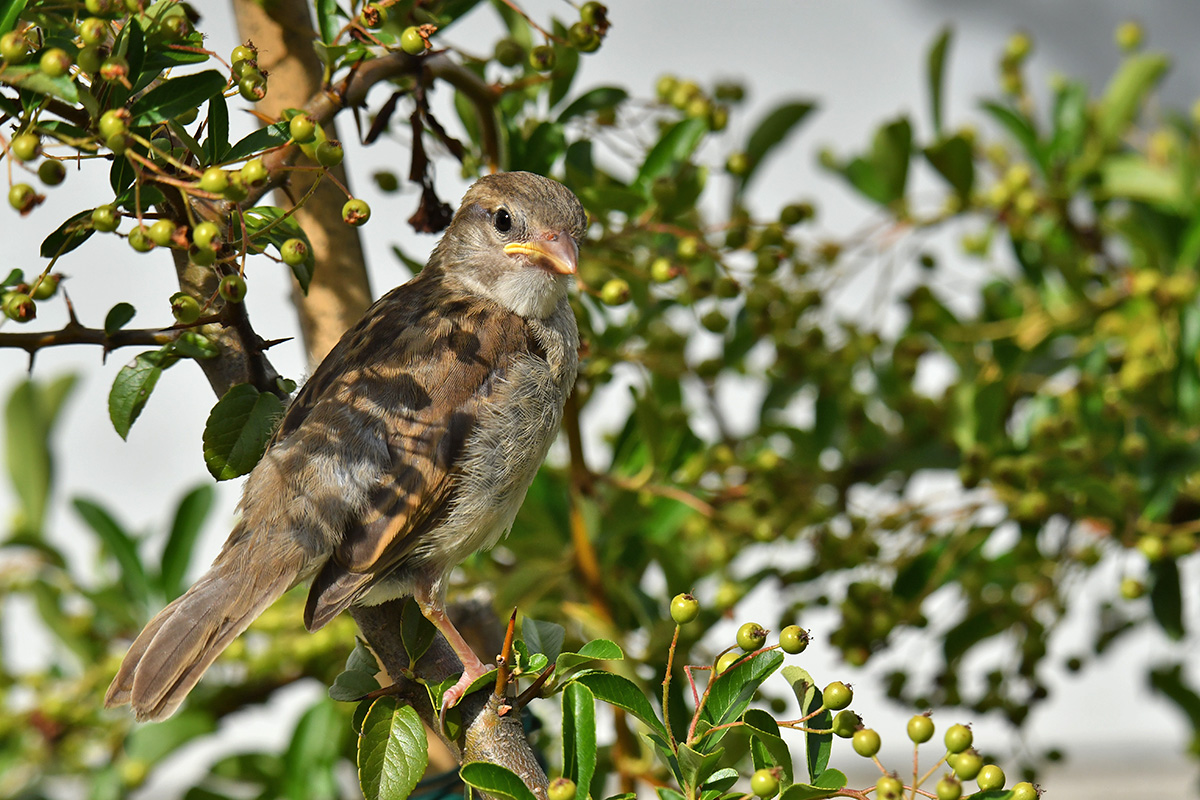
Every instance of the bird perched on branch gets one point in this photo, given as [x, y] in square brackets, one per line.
[411, 447]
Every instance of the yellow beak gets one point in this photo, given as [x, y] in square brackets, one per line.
[556, 252]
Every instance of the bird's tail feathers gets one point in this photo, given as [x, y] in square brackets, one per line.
[175, 649]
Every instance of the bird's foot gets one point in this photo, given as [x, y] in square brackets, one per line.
[456, 692]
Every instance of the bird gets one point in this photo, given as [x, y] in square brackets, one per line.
[411, 446]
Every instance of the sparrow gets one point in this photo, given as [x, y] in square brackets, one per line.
[411, 446]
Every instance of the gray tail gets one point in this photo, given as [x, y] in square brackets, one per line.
[175, 649]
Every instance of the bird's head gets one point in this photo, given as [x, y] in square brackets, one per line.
[515, 241]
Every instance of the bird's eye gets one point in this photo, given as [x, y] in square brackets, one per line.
[503, 221]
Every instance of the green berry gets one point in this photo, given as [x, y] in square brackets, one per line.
[105, 218]
[161, 232]
[373, 16]
[139, 239]
[356, 212]
[1132, 588]
[302, 128]
[93, 30]
[958, 738]
[293, 252]
[509, 52]
[90, 59]
[188, 117]
[751, 637]
[665, 87]
[19, 307]
[1024, 791]
[837, 695]
[764, 783]
[615, 292]
[594, 13]
[889, 787]
[738, 163]
[715, 321]
[236, 190]
[185, 308]
[254, 171]
[101, 8]
[1129, 36]
[948, 788]
[795, 213]
[661, 270]
[13, 47]
[202, 256]
[583, 37]
[412, 42]
[865, 742]
[1019, 46]
[46, 289]
[118, 143]
[253, 86]
[846, 723]
[114, 68]
[52, 172]
[241, 69]
[233, 288]
[55, 62]
[726, 661]
[176, 27]
[386, 180]
[330, 153]
[22, 197]
[113, 123]
[793, 639]
[920, 728]
[990, 777]
[967, 765]
[243, 53]
[684, 608]
[206, 235]
[25, 146]
[542, 58]
[215, 180]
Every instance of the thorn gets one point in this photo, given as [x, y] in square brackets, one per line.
[73, 320]
[505, 656]
[535, 688]
[267, 344]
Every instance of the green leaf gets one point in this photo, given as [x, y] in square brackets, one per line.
[1171, 682]
[66, 237]
[361, 658]
[352, 685]
[733, 689]
[133, 385]
[10, 12]
[327, 20]
[1021, 128]
[675, 147]
[817, 745]
[778, 123]
[216, 145]
[1126, 92]
[173, 97]
[120, 545]
[185, 530]
[621, 692]
[238, 429]
[953, 160]
[696, 765]
[937, 76]
[314, 750]
[764, 730]
[29, 418]
[595, 100]
[267, 224]
[391, 751]
[595, 650]
[805, 791]
[416, 632]
[543, 637]
[1166, 599]
[579, 737]
[494, 780]
[118, 317]
[264, 138]
[31, 78]
[1134, 177]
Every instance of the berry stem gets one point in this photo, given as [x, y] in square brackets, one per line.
[666, 687]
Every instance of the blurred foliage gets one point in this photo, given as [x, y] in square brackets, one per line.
[764, 399]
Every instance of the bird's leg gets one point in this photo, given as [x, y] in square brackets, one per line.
[431, 601]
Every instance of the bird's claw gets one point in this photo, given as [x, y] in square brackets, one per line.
[460, 689]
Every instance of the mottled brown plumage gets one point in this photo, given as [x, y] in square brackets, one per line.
[411, 446]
